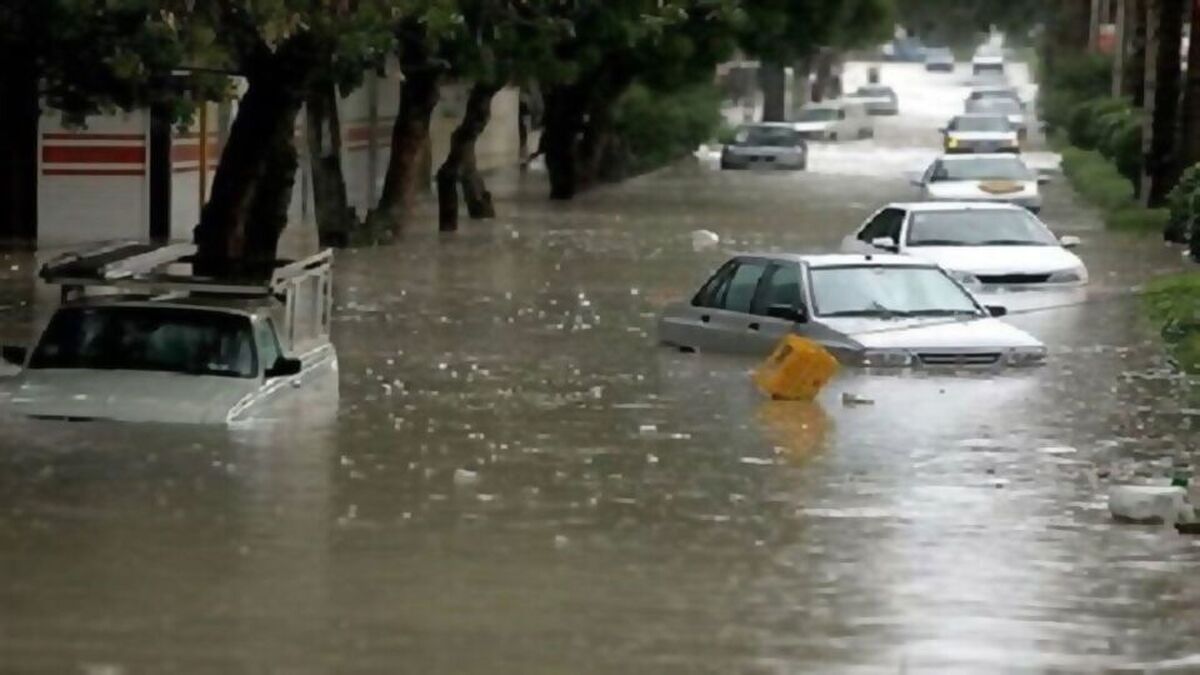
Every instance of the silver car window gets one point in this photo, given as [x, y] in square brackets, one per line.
[742, 286]
[712, 292]
[780, 286]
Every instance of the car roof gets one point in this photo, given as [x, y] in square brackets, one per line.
[819, 260]
[974, 157]
[769, 125]
[981, 115]
[224, 305]
[926, 207]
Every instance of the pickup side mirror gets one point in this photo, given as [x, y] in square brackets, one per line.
[788, 313]
[285, 367]
[885, 243]
[1070, 241]
[14, 355]
[997, 310]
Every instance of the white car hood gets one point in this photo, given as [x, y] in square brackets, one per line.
[999, 259]
[940, 333]
[127, 396]
[813, 126]
[969, 190]
[984, 135]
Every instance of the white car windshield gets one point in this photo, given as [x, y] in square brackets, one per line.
[773, 137]
[888, 291]
[978, 227]
[997, 105]
[981, 123]
[875, 92]
[818, 115]
[163, 339]
[981, 168]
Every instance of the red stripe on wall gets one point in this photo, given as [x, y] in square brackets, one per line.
[94, 172]
[191, 153]
[87, 136]
[93, 154]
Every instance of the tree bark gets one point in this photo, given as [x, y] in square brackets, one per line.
[801, 70]
[1120, 48]
[565, 109]
[823, 82]
[406, 174]
[1164, 42]
[1135, 66]
[772, 78]
[336, 221]
[1191, 94]
[247, 210]
[19, 114]
[460, 167]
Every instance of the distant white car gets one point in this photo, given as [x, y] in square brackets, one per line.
[837, 120]
[983, 178]
[766, 145]
[868, 310]
[978, 243]
[173, 348]
[980, 133]
[992, 91]
[939, 59]
[1012, 110]
[988, 62]
[878, 99]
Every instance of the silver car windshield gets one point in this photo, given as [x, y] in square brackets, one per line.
[771, 137]
[888, 292]
[981, 123]
[999, 106]
[159, 339]
[818, 115]
[981, 168]
[1007, 227]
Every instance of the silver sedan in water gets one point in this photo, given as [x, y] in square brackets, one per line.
[767, 145]
[869, 310]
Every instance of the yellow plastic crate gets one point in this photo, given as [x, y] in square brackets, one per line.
[797, 371]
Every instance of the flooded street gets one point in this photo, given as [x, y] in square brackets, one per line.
[518, 480]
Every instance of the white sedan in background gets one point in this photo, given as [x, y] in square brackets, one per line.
[872, 311]
[984, 178]
[981, 133]
[978, 243]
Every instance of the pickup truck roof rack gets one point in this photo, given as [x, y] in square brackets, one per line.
[140, 268]
[304, 287]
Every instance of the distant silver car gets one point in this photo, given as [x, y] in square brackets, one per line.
[868, 310]
[878, 99]
[980, 133]
[939, 59]
[1012, 110]
[766, 145]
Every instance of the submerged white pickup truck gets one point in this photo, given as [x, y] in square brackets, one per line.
[139, 338]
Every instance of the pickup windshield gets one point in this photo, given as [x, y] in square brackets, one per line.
[162, 339]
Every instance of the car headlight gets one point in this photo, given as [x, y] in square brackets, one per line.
[1027, 356]
[951, 142]
[885, 358]
[1072, 276]
[964, 278]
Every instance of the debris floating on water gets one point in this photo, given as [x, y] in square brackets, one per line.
[463, 477]
[704, 240]
[852, 400]
[1150, 504]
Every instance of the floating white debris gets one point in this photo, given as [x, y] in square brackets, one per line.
[463, 477]
[757, 461]
[652, 459]
[648, 429]
[561, 541]
[1150, 504]
[703, 240]
[851, 400]
[1058, 450]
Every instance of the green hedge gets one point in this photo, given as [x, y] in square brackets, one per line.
[657, 128]
[1174, 304]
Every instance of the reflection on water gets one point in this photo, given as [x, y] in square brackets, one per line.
[517, 480]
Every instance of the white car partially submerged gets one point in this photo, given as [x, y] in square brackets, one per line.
[136, 340]
[868, 310]
[837, 120]
[981, 133]
[984, 178]
[978, 243]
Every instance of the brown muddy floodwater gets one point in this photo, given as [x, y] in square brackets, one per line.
[517, 480]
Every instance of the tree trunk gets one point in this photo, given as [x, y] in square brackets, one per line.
[801, 70]
[247, 210]
[1135, 66]
[565, 105]
[1191, 94]
[823, 82]
[459, 166]
[1094, 21]
[19, 114]
[772, 78]
[1164, 41]
[1120, 49]
[336, 221]
[418, 98]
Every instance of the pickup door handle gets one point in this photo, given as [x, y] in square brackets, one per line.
[755, 326]
[705, 318]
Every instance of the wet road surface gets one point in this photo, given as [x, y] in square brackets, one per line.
[518, 481]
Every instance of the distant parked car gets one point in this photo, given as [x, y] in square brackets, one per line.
[1001, 91]
[980, 133]
[836, 120]
[939, 59]
[878, 99]
[904, 50]
[994, 244]
[981, 177]
[767, 145]
[868, 310]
